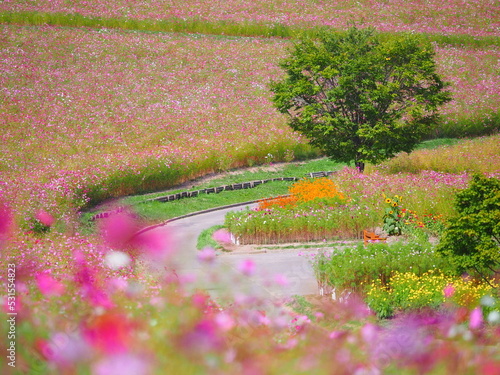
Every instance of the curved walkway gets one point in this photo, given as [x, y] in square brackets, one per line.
[277, 273]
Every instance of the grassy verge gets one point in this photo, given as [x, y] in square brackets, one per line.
[154, 211]
[226, 28]
[206, 238]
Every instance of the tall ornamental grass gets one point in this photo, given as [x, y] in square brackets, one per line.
[477, 155]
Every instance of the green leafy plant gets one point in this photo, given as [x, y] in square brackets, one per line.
[407, 291]
[353, 267]
[471, 240]
[393, 216]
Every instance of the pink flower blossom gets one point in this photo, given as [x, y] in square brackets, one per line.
[222, 236]
[5, 220]
[48, 285]
[449, 290]
[110, 332]
[122, 364]
[156, 245]
[281, 280]
[118, 230]
[45, 218]
[224, 321]
[207, 255]
[64, 349]
[476, 318]
[247, 267]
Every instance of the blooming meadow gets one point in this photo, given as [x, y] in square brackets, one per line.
[94, 114]
[471, 17]
[176, 100]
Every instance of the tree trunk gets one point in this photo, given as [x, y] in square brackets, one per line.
[360, 166]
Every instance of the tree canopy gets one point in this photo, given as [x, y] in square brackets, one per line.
[359, 98]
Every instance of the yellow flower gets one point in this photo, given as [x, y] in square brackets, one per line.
[394, 204]
[388, 200]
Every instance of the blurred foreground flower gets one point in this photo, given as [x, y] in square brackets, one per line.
[122, 364]
[222, 236]
[206, 255]
[48, 285]
[6, 221]
[118, 230]
[476, 318]
[110, 332]
[116, 260]
[247, 267]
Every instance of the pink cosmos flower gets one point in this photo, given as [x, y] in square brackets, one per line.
[224, 321]
[110, 332]
[5, 220]
[118, 229]
[156, 245]
[449, 290]
[64, 349]
[207, 255]
[203, 337]
[122, 364]
[48, 285]
[281, 280]
[45, 218]
[476, 318]
[222, 236]
[247, 267]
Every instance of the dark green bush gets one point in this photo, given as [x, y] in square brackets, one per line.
[471, 240]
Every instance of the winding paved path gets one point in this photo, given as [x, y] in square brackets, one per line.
[223, 275]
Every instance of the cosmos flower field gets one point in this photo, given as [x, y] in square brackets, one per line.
[91, 114]
[472, 17]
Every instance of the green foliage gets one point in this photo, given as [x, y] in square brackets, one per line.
[472, 238]
[392, 216]
[407, 291]
[359, 98]
[37, 227]
[354, 267]
[205, 239]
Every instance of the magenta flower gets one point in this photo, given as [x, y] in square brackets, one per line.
[48, 285]
[224, 321]
[110, 333]
[45, 218]
[5, 220]
[207, 255]
[203, 337]
[222, 236]
[476, 318]
[449, 290]
[118, 230]
[64, 349]
[122, 364]
[156, 245]
[247, 267]
[281, 280]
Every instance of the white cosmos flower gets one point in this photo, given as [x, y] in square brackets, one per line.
[116, 260]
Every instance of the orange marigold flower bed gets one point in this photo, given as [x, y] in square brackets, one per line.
[304, 191]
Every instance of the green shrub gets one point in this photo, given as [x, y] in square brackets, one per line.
[471, 240]
[353, 268]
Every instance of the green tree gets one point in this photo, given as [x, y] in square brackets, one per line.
[471, 240]
[359, 98]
